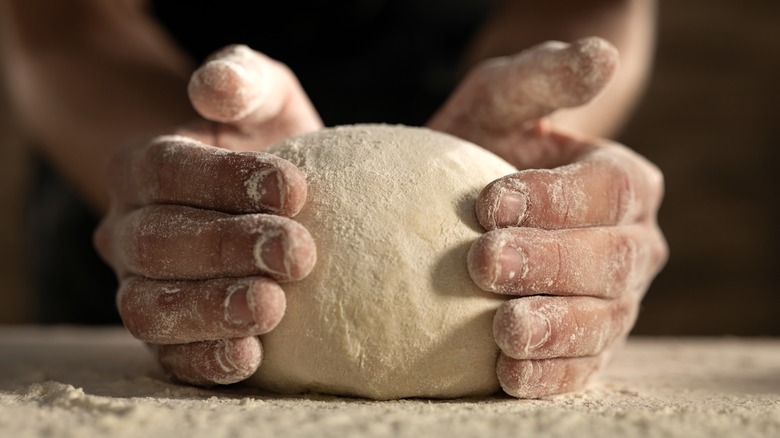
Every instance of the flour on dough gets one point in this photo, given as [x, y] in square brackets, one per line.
[389, 311]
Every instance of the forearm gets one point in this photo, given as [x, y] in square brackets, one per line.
[628, 24]
[89, 82]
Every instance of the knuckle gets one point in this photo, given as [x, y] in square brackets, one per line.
[624, 194]
[654, 183]
[629, 319]
[139, 240]
[655, 177]
[178, 360]
[660, 249]
[624, 254]
[158, 149]
[101, 239]
[635, 180]
[126, 301]
[622, 316]
[557, 272]
[651, 177]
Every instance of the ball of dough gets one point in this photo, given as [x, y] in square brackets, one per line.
[389, 310]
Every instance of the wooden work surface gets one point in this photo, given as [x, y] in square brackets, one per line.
[100, 382]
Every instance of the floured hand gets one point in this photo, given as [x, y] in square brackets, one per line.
[200, 236]
[574, 233]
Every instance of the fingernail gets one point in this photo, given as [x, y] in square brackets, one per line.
[266, 189]
[260, 304]
[511, 210]
[512, 265]
[271, 254]
[223, 357]
[237, 309]
[538, 330]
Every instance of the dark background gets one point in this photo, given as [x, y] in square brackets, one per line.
[710, 120]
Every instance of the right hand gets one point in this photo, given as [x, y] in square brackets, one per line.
[572, 237]
[199, 231]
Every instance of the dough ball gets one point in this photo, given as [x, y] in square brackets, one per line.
[389, 310]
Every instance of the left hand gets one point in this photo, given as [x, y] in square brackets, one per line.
[201, 229]
[573, 233]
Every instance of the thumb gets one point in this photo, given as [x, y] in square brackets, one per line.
[255, 100]
[503, 96]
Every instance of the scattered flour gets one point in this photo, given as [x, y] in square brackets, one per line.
[67, 382]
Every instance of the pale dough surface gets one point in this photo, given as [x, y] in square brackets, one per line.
[389, 310]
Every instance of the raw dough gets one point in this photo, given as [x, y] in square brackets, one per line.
[389, 310]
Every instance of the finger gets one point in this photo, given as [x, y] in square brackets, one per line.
[503, 94]
[237, 83]
[599, 262]
[540, 378]
[607, 185]
[543, 327]
[181, 312]
[258, 100]
[179, 170]
[207, 363]
[182, 243]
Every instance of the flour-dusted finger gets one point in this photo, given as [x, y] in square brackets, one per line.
[545, 327]
[257, 100]
[235, 83]
[607, 184]
[540, 378]
[179, 170]
[502, 95]
[182, 243]
[177, 312]
[601, 262]
[210, 363]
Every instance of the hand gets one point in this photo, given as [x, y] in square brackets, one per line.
[573, 233]
[200, 236]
